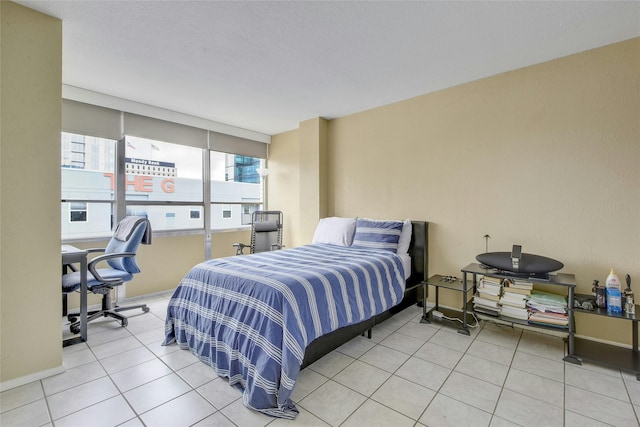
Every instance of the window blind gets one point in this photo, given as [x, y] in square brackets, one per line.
[236, 145]
[87, 119]
[162, 130]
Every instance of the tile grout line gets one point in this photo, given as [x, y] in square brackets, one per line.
[475, 338]
[437, 392]
[515, 350]
[367, 398]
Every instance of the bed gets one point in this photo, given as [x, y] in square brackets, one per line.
[258, 319]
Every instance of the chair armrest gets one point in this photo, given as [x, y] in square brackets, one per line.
[94, 250]
[239, 247]
[98, 259]
[74, 267]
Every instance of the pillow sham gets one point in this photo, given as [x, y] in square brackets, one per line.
[405, 237]
[335, 231]
[374, 234]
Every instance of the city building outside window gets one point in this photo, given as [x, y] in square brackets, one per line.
[78, 212]
[84, 162]
[166, 178]
[163, 182]
[236, 190]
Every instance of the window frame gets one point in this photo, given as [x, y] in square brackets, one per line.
[119, 203]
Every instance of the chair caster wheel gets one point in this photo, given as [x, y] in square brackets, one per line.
[75, 329]
[146, 309]
[72, 319]
[125, 322]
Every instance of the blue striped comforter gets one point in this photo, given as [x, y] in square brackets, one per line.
[251, 317]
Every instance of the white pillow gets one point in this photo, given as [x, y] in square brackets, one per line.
[335, 231]
[405, 237]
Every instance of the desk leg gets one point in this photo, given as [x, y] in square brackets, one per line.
[82, 259]
[571, 320]
[571, 357]
[83, 299]
[464, 330]
[424, 319]
[635, 343]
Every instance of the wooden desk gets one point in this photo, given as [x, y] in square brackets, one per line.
[72, 255]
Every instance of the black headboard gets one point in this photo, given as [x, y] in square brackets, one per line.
[419, 252]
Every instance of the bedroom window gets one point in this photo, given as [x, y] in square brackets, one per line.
[165, 178]
[84, 161]
[183, 178]
[236, 190]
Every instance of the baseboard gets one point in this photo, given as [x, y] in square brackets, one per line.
[36, 376]
[166, 293]
[130, 300]
[613, 343]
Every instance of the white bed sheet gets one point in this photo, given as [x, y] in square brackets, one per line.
[406, 263]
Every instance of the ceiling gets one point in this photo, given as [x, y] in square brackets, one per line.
[265, 66]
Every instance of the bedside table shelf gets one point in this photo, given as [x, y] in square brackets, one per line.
[613, 356]
[561, 280]
[438, 281]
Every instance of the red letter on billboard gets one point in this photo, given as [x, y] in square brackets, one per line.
[111, 178]
[167, 185]
[146, 184]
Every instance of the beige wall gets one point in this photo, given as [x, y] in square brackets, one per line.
[283, 184]
[313, 175]
[166, 261]
[298, 161]
[547, 157]
[31, 84]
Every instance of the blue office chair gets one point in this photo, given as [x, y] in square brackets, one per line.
[119, 255]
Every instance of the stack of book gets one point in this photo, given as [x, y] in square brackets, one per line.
[548, 309]
[519, 286]
[514, 305]
[487, 298]
[515, 294]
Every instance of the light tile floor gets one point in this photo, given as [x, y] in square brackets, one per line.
[408, 374]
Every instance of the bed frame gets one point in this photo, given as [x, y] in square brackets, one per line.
[418, 250]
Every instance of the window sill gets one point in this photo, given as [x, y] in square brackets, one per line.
[161, 233]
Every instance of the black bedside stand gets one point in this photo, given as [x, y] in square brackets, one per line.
[459, 285]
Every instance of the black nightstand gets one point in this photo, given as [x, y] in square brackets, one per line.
[455, 284]
[607, 354]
